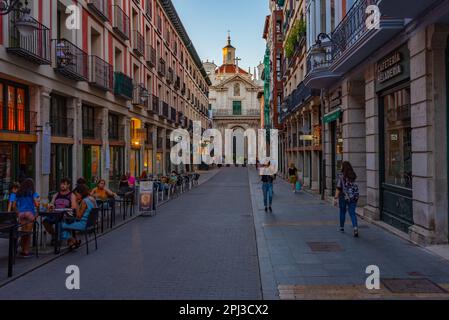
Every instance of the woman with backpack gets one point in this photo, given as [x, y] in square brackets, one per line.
[347, 195]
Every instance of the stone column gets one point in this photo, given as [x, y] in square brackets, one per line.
[327, 156]
[372, 207]
[423, 137]
[41, 98]
[127, 124]
[315, 170]
[164, 149]
[354, 131]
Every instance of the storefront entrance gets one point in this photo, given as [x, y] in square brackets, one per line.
[117, 166]
[92, 164]
[396, 158]
[61, 164]
[16, 164]
[336, 147]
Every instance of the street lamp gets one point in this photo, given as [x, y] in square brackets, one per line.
[25, 23]
[318, 53]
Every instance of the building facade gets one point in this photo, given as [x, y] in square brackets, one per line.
[235, 97]
[97, 100]
[385, 96]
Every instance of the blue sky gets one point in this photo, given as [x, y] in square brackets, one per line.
[208, 21]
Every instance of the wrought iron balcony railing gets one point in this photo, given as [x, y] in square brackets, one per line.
[161, 67]
[172, 117]
[228, 112]
[165, 110]
[123, 85]
[170, 75]
[299, 96]
[155, 105]
[151, 56]
[121, 23]
[138, 43]
[100, 7]
[35, 47]
[61, 127]
[101, 74]
[140, 95]
[71, 61]
[351, 28]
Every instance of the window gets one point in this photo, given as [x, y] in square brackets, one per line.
[398, 140]
[88, 122]
[237, 89]
[237, 108]
[113, 126]
[14, 113]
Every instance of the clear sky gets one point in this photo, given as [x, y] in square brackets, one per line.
[208, 21]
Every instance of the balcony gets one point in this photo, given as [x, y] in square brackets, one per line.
[71, 61]
[151, 56]
[17, 120]
[229, 113]
[116, 133]
[154, 108]
[173, 113]
[180, 118]
[149, 9]
[121, 23]
[298, 98]
[61, 127]
[170, 76]
[353, 42]
[138, 43]
[123, 85]
[165, 111]
[140, 95]
[101, 74]
[177, 83]
[161, 67]
[100, 7]
[35, 47]
[183, 88]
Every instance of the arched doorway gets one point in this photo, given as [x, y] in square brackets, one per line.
[238, 145]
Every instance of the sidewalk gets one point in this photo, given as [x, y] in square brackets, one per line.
[303, 255]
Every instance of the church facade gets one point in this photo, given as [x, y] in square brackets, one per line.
[235, 97]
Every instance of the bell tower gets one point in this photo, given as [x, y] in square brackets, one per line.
[229, 52]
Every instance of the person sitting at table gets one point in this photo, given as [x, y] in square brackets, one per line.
[64, 199]
[101, 192]
[27, 201]
[86, 204]
[131, 180]
[13, 196]
[80, 181]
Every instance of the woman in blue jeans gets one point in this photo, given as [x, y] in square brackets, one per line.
[267, 188]
[347, 196]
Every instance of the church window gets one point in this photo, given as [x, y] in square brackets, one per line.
[237, 108]
[236, 89]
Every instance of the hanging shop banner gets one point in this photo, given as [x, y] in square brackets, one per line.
[393, 68]
[146, 197]
[333, 116]
[46, 150]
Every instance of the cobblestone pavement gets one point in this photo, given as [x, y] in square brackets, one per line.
[199, 246]
[303, 255]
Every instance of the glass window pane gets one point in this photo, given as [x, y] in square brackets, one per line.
[398, 155]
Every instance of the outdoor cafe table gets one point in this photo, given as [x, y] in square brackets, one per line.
[59, 214]
[10, 229]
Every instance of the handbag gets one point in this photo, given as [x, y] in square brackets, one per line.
[298, 186]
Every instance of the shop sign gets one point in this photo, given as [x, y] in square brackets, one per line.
[393, 68]
[333, 116]
[306, 137]
[335, 99]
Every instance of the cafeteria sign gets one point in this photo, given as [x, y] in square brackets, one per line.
[393, 68]
[146, 197]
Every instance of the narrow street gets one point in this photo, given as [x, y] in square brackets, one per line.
[203, 246]
[199, 246]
